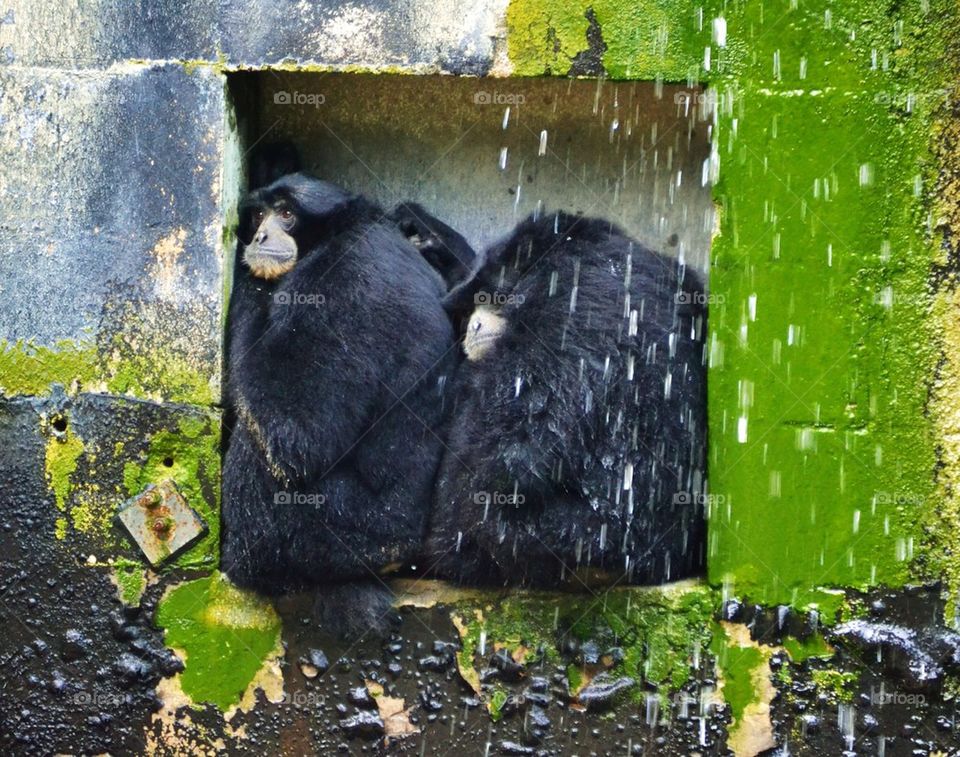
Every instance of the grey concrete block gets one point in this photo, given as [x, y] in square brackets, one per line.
[58, 34]
[370, 33]
[110, 213]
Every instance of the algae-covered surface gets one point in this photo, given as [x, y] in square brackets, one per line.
[190, 457]
[225, 636]
[653, 635]
[822, 345]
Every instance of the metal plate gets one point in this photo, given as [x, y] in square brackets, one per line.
[161, 522]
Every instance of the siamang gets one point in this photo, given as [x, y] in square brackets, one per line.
[338, 348]
[576, 449]
[443, 247]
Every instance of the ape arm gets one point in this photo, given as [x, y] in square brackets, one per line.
[304, 431]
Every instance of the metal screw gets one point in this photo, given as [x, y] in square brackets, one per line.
[161, 527]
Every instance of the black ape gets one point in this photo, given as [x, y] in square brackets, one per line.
[578, 438]
[338, 346]
[445, 249]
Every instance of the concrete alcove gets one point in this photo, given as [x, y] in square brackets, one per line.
[483, 153]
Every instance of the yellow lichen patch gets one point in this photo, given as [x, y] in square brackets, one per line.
[235, 608]
[167, 271]
[60, 461]
[945, 412]
[92, 510]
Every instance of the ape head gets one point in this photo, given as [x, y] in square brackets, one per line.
[281, 224]
[485, 326]
[441, 246]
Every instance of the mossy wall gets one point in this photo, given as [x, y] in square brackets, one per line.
[823, 348]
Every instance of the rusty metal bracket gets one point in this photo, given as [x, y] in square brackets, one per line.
[161, 522]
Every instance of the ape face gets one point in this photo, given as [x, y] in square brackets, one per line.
[485, 326]
[283, 222]
[273, 250]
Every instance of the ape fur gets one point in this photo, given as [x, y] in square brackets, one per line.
[335, 376]
[443, 247]
[577, 442]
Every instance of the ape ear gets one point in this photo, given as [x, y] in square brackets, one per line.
[317, 198]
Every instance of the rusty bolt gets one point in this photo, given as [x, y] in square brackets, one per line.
[153, 498]
[161, 527]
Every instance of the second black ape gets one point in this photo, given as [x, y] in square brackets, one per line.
[578, 439]
[337, 346]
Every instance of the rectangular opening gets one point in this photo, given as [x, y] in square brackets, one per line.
[482, 154]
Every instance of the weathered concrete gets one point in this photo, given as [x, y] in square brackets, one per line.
[110, 235]
[374, 34]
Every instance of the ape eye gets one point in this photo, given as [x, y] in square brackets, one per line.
[286, 214]
[258, 215]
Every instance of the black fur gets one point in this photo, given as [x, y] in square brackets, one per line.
[270, 161]
[550, 414]
[336, 395]
[444, 248]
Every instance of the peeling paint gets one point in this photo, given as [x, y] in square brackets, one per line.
[744, 676]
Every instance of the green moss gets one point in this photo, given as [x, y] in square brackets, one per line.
[545, 37]
[645, 39]
[166, 375]
[839, 685]
[225, 634]
[190, 456]
[659, 630]
[497, 700]
[61, 456]
[26, 369]
[822, 457]
[131, 581]
[30, 370]
[738, 666]
[814, 646]
[60, 529]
